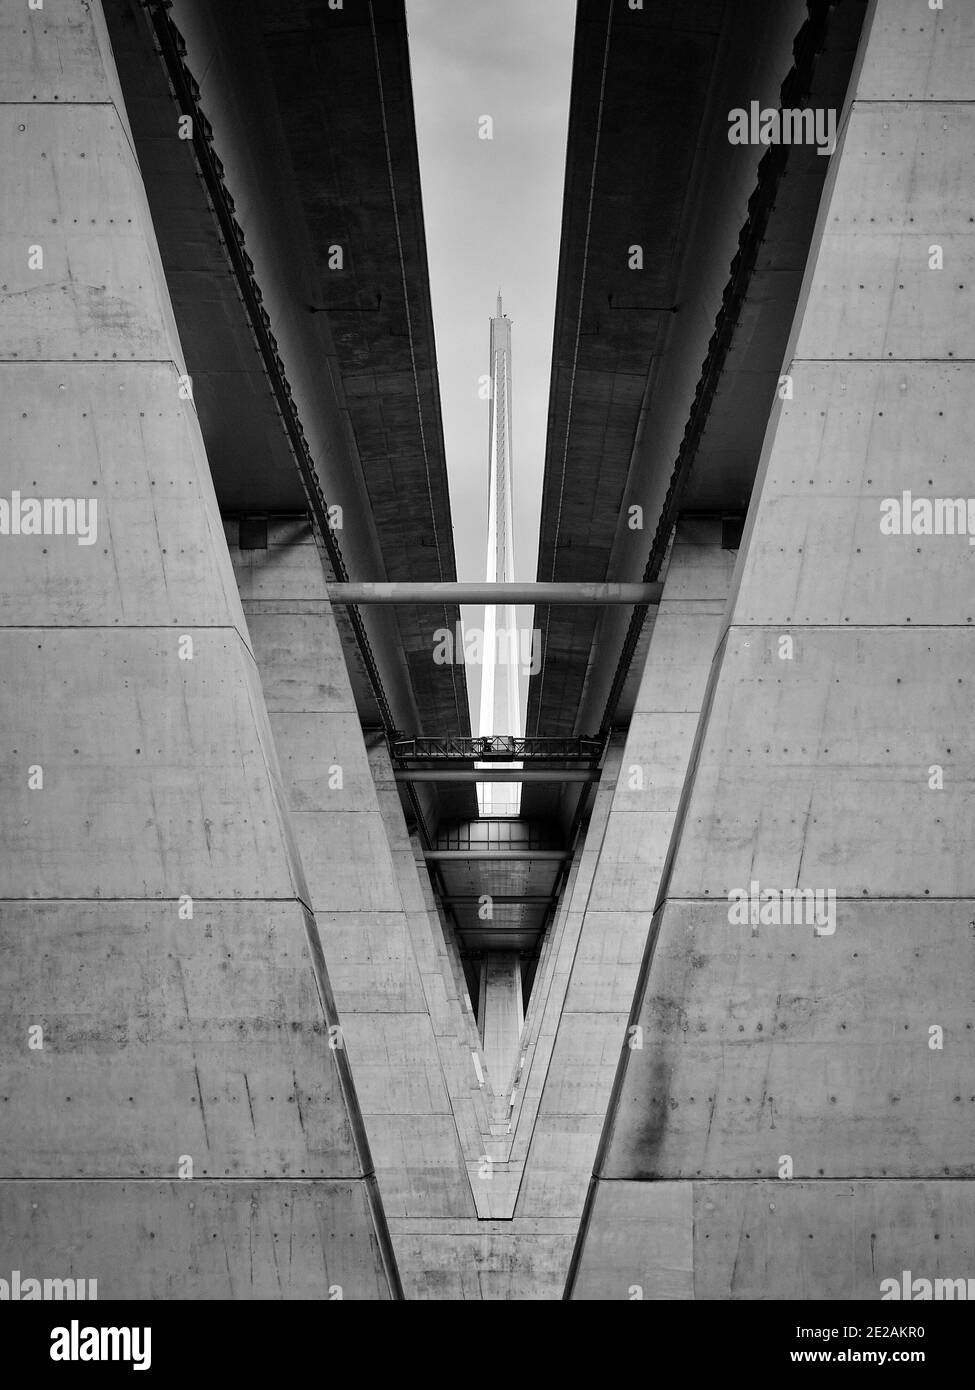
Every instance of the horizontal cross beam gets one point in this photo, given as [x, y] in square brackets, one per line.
[500, 856]
[534, 899]
[524, 593]
[503, 748]
[573, 774]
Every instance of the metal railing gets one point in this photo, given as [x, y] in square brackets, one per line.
[497, 747]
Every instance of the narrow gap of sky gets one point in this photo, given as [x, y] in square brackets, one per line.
[493, 212]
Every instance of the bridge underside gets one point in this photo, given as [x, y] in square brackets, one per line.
[265, 962]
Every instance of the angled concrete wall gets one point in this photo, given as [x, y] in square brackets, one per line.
[611, 907]
[542, 1160]
[408, 1031]
[798, 1124]
[175, 1122]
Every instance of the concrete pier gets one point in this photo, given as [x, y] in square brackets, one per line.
[802, 1089]
[591, 974]
[502, 1016]
[176, 1097]
[543, 1157]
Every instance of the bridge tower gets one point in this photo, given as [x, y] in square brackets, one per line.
[500, 711]
[502, 1007]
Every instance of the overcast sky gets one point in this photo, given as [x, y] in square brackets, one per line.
[493, 218]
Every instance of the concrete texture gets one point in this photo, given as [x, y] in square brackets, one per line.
[445, 1152]
[594, 969]
[486, 1260]
[409, 1031]
[749, 1241]
[146, 1052]
[199, 1240]
[809, 1061]
[502, 1017]
[546, 1134]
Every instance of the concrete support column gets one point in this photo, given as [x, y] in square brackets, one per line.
[802, 1085]
[502, 1017]
[611, 904]
[408, 1033]
[171, 1098]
